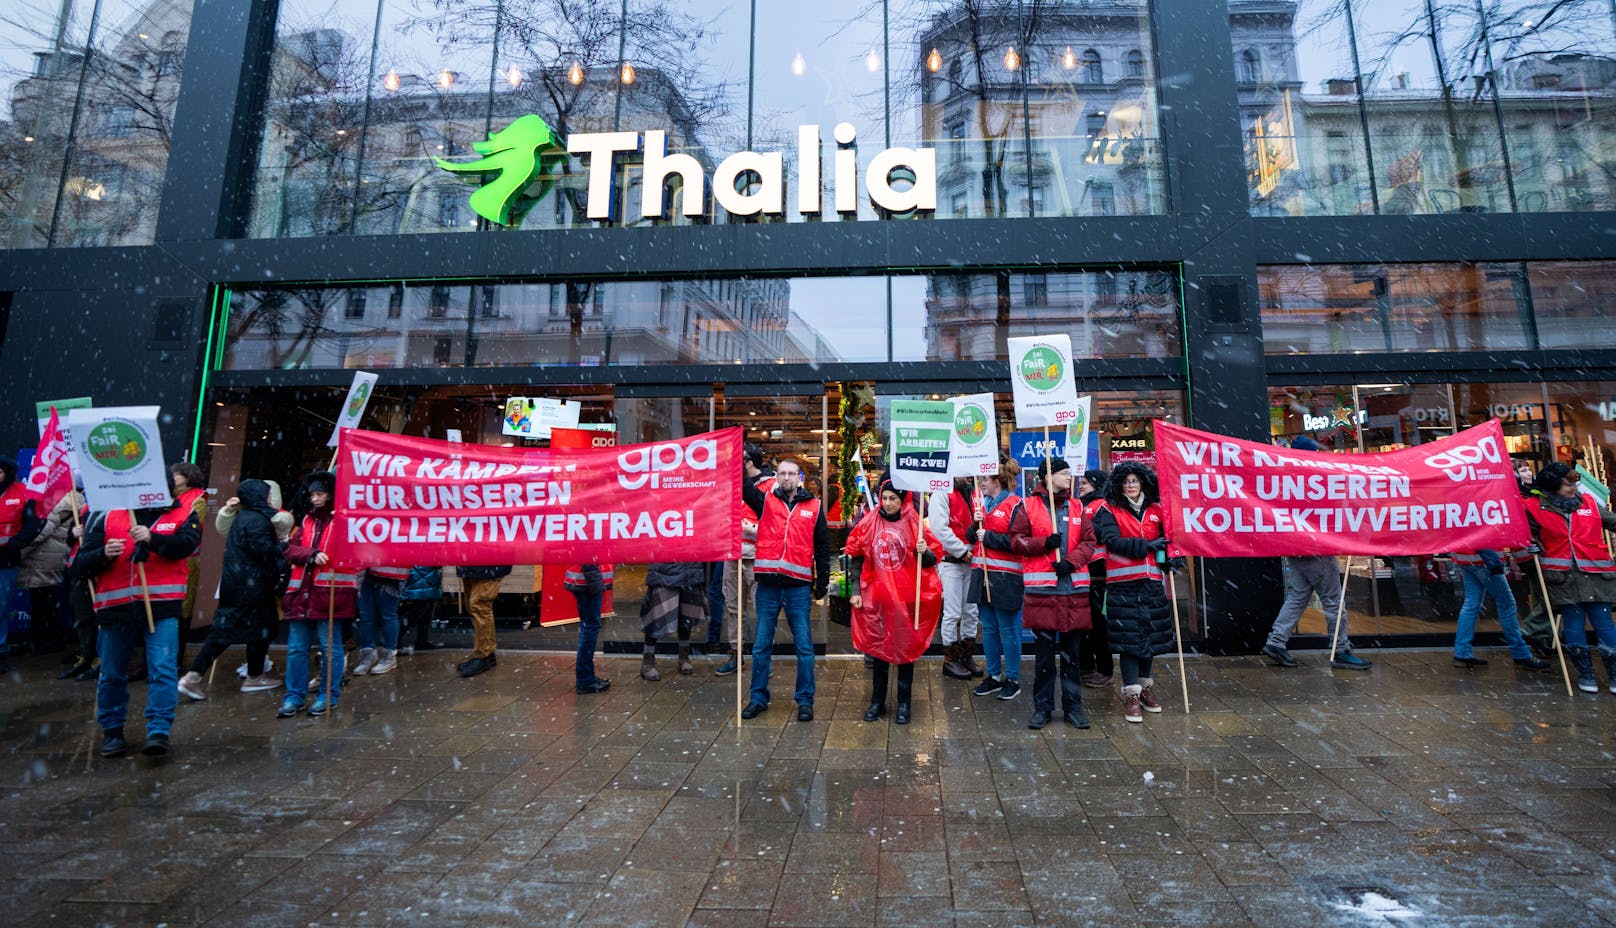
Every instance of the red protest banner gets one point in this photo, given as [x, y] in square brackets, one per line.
[50, 478]
[1224, 497]
[405, 500]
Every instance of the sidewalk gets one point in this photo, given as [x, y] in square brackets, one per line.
[1417, 795]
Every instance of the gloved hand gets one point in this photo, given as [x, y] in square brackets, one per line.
[1176, 565]
[1157, 544]
[1052, 542]
[973, 534]
[1065, 568]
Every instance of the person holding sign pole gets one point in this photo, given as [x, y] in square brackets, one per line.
[1056, 550]
[950, 518]
[1095, 654]
[793, 569]
[888, 623]
[320, 596]
[996, 585]
[1579, 574]
[138, 562]
[1139, 617]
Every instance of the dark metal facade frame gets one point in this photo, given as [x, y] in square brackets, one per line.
[118, 302]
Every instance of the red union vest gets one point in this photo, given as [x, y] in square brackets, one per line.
[786, 538]
[165, 579]
[1577, 539]
[11, 503]
[328, 576]
[1088, 513]
[1040, 568]
[399, 574]
[574, 577]
[749, 525]
[998, 520]
[1148, 527]
[960, 516]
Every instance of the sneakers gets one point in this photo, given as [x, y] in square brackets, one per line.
[191, 687]
[596, 685]
[1531, 663]
[1009, 689]
[289, 707]
[728, 667]
[1039, 719]
[1096, 679]
[386, 662]
[753, 710]
[261, 683]
[1346, 660]
[156, 745]
[321, 707]
[367, 660]
[988, 687]
[476, 665]
[1077, 718]
[1280, 656]
[112, 743]
[1469, 661]
[242, 670]
[1132, 710]
[805, 712]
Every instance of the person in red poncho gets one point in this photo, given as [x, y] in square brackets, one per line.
[885, 547]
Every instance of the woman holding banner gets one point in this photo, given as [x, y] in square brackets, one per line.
[1578, 569]
[893, 558]
[1138, 616]
[996, 585]
[319, 598]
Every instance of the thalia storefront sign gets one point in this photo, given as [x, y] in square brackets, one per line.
[746, 183]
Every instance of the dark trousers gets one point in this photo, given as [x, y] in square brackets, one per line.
[1096, 654]
[215, 645]
[417, 614]
[880, 673]
[1048, 648]
[46, 633]
[78, 596]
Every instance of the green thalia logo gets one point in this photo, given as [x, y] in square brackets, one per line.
[518, 154]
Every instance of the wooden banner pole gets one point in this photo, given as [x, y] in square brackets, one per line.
[740, 600]
[1178, 638]
[1554, 626]
[1341, 602]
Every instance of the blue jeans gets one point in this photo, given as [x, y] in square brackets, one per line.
[114, 645]
[795, 600]
[8, 584]
[588, 634]
[1576, 619]
[378, 604]
[1001, 641]
[299, 637]
[715, 603]
[1479, 582]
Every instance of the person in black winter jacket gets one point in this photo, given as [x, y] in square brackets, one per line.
[1137, 614]
[675, 601]
[1094, 658]
[249, 585]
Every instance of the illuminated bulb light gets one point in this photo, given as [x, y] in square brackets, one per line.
[27, 138]
[872, 62]
[575, 74]
[934, 61]
[626, 73]
[391, 81]
[799, 65]
[514, 76]
[1069, 59]
[446, 78]
[1012, 60]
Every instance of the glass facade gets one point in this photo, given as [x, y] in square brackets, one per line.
[938, 317]
[1468, 107]
[1031, 110]
[1347, 309]
[88, 91]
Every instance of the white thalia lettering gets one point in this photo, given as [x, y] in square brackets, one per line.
[749, 183]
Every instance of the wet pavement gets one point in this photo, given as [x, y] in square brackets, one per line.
[1415, 795]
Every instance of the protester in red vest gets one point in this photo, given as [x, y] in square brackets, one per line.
[379, 594]
[1055, 557]
[1578, 568]
[996, 584]
[793, 569]
[320, 593]
[116, 545]
[1136, 607]
[951, 516]
[588, 584]
[190, 490]
[12, 512]
[884, 548]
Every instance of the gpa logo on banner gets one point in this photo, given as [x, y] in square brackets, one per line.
[658, 465]
[1460, 463]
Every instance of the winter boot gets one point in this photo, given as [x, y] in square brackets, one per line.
[1132, 709]
[367, 661]
[1584, 662]
[685, 667]
[648, 669]
[1609, 657]
[954, 666]
[968, 656]
[386, 662]
[906, 685]
[1147, 695]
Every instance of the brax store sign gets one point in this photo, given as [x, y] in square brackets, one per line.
[747, 183]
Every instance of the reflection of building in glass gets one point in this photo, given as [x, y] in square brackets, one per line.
[1109, 314]
[1524, 131]
[1046, 111]
[106, 108]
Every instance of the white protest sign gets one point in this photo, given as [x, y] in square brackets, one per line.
[453, 435]
[1077, 435]
[534, 417]
[353, 408]
[976, 437]
[921, 437]
[1041, 380]
[119, 454]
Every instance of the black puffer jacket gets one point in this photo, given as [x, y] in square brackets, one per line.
[482, 573]
[252, 552]
[1138, 617]
[677, 575]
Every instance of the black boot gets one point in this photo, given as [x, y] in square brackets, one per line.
[878, 691]
[112, 743]
[906, 686]
[1609, 657]
[78, 668]
[1584, 662]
